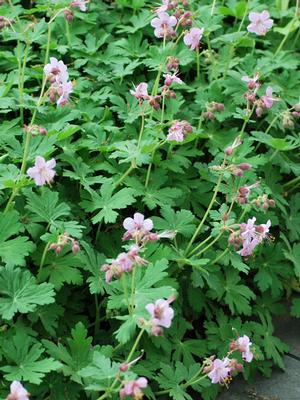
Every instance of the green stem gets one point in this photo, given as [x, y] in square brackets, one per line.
[200, 245]
[132, 295]
[198, 230]
[43, 261]
[198, 63]
[125, 289]
[68, 35]
[291, 182]
[213, 8]
[126, 173]
[281, 44]
[97, 317]
[219, 256]
[142, 129]
[210, 244]
[109, 390]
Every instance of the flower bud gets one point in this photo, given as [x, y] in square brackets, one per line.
[123, 367]
[75, 247]
[295, 114]
[228, 151]
[69, 16]
[271, 202]
[53, 246]
[42, 131]
[58, 249]
[245, 166]
[243, 190]
[259, 111]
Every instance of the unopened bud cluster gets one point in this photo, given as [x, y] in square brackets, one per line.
[211, 109]
[65, 240]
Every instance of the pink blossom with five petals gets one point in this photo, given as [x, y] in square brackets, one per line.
[192, 38]
[161, 313]
[260, 23]
[163, 25]
[43, 171]
[220, 370]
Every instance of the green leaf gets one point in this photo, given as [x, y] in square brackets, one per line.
[24, 362]
[108, 202]
[13, 251]
[295, 309]
[21, 293]
[100, 372]
[76, 355]
[179, 221]
[46, 206]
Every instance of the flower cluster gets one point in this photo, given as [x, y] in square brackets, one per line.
[43, 171]
[178, 131]
[17, 392]
[260, 24]
[289, 115]
[161, 315]
[260, 104]
[34, 130]
[249, 235]
[64, 240]
[220, 371]
[211, 108]
[123, 263]
[81, 4]
[138, 229]
[56, 72]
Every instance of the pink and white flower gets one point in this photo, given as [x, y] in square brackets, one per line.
[163, 7]
[133, 388]
[161, 313]
[268, 99]
[220, 370]
[81, 4]
[192, 38]
[17, 392]
[243, 346]
[43, 171]
[252, 82]
[56, 71]
[170, 78]
[260, 23]
[138, 224]
[163, 25]
[252, 235]
[140, 91]
[64, 91]
[178, 130]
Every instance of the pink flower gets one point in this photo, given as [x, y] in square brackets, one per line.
[170, 78]
[163, 25]
[133, 388]
[140, 91]
[193, 37]
[163, 7]
[161, 313]
[220, 370]
[260, 23]
[243, 346]
[178, 130]
[56, 71]
[17, 392]
[43, 171]
[137, 224]
[64, 91]
[252, 235]
[81, 4]
[268, 99]
[252, 82]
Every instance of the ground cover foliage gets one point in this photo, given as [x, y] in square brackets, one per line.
[149, 191]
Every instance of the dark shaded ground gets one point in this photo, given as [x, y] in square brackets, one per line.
[282, 385]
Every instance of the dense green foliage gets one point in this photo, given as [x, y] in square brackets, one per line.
[65, 331]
